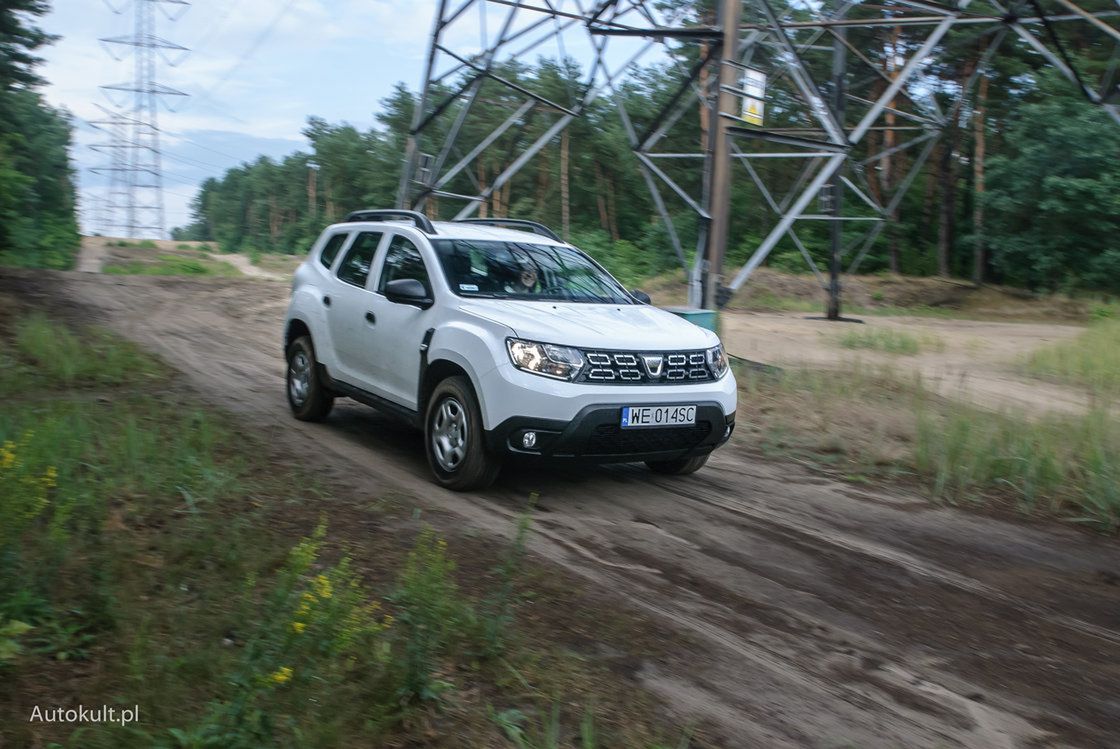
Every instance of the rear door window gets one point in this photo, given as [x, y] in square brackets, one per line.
[355, 266]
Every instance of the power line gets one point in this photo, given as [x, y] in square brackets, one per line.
[251, 49]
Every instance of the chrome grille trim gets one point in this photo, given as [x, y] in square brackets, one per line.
[640, 367]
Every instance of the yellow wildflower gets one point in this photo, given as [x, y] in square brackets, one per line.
[7, 455]
[281, 676]
[387, 621]
[50, 478]
[298, 627]
[323, 586]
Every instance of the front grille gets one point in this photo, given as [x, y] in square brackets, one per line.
[611, 439]
[648, 368]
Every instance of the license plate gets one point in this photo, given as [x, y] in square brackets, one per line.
[658, 416]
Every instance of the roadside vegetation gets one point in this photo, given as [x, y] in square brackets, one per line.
[889, 341]
[1091, 360]
[868, 423]
[168, 264]
[152, 554]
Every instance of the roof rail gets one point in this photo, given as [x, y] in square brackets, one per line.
[393, 214]
[532, 226]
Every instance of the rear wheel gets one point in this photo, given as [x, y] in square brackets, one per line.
[681, 467]
[307, 395]
[453, 438]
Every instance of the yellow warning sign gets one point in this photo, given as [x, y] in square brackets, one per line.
[752, 111]
[754, 103]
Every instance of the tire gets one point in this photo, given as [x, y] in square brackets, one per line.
[307, 395]
[681, 467]
[454, 440]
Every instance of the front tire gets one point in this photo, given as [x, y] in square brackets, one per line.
[681, 467]
[308, 397]
[454, 440]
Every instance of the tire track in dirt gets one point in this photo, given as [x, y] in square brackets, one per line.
[812, 616]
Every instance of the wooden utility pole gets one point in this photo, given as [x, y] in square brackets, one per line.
[312, 187]
[565, 201]
[836, 190]
[980, 252]
[720, 202]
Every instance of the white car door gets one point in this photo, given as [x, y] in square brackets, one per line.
[400, 328]
[351, 316]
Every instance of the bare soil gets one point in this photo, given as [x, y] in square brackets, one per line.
[808, 612]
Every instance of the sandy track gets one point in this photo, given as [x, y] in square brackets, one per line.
[246, 267]
[812, 613]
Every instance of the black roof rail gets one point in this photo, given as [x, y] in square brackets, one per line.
[393, 214]
[532, 226]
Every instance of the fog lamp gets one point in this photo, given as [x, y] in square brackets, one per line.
[529, 440]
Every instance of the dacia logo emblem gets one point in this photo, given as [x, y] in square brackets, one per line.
[654, 364]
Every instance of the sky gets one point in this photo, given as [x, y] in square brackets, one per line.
[256, 70]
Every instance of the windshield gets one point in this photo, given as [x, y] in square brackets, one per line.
[517, 270]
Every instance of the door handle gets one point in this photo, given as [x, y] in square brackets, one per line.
[326, 301]
[371, 318]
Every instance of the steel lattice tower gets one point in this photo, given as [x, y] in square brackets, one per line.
[114, 204]
[839, 111]
[136, 170]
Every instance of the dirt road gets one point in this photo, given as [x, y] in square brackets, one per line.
[812, 613]
[973, 360]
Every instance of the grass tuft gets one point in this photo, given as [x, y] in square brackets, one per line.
[68, 358]
[889, 341]
[171, 265]
[1091, 360]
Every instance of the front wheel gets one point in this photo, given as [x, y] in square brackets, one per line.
[454, 440]
[681, 467]
[307, 395]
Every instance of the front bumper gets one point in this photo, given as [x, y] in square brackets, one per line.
[594, 434]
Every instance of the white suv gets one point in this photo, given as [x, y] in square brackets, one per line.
[498, 342]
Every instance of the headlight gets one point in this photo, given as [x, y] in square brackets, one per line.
[717, 361]
[559, 362]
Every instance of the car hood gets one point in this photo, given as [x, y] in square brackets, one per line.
[633, 327]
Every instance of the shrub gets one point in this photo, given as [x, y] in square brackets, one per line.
[429, 612]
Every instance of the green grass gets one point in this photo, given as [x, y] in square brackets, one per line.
[1063, 464]
[874, 423]
[60, 356]
[143, 244]
[888, 340]
[1091, 360]
[764, 299]
[192, 571]
[172, 265]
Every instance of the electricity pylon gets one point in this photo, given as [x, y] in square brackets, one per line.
[835, 87]
[136, 171]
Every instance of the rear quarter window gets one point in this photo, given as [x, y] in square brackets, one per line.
[331, 248]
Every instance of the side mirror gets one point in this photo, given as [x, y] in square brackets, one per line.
[641, 297]
[408, 291]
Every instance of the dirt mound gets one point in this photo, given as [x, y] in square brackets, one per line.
[777, 290]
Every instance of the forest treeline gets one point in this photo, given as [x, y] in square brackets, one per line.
[38, 222]
[1023, 188]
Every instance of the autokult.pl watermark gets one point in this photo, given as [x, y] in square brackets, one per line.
[83, 714]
